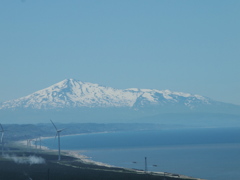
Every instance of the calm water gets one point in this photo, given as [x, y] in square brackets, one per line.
[212, 154]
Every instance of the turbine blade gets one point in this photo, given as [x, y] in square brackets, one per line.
[53, 125]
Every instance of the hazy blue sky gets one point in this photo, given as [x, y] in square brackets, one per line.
[182, 45]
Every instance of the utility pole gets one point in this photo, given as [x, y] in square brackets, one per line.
[146, 165]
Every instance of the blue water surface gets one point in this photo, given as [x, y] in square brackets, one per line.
[209, 153]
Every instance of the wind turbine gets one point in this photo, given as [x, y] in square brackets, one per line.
[58, 134]
[2, 142]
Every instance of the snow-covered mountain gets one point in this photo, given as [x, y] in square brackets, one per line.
[71, 93]
[75, 101]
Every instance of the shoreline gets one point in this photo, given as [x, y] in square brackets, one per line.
[88, 158]
[71, 166]
[79, 154]
[72, 153]
[24, 142]
[87, 161]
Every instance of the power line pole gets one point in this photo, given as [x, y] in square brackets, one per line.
[146, 164]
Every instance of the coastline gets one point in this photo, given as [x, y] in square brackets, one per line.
[24, 142]
[71, 166]
[97, 149]
[87, 161]
[83, 158]
[72, 153]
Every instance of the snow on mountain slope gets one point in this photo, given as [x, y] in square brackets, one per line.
[71, 93]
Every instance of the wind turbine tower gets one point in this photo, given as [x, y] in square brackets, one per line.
[2, 142]
[146, 169]
[58, 134]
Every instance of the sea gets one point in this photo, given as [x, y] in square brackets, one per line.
[207, 153]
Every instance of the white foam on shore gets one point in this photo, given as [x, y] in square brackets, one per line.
[85, 159]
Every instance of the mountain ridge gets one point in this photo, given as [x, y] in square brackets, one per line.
[76, 101]
[72, 93]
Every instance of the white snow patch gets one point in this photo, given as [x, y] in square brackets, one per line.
[72, 93]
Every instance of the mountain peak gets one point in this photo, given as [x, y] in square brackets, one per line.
[67, 82]
[71, 93]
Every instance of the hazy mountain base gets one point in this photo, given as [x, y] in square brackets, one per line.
[193, 120]
[167, 116]
[79, 115]
[164, 121]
